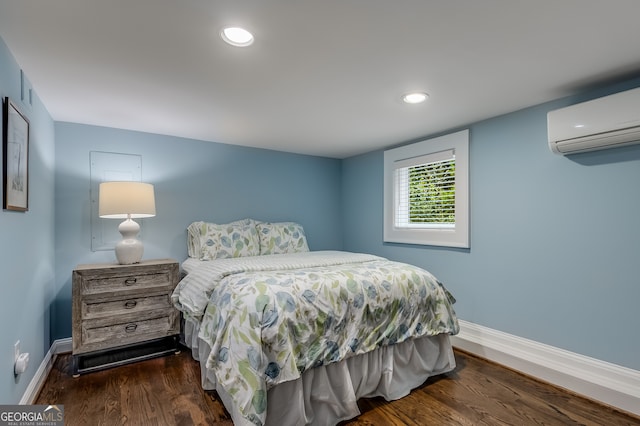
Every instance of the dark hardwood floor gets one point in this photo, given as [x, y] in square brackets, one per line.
[166, 391]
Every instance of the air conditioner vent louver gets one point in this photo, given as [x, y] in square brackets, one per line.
[607, 122]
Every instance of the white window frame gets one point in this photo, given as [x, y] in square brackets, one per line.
[434, 235]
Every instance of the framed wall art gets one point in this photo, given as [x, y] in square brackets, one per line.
[15, 150]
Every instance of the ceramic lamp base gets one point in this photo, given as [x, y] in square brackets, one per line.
[129, 250]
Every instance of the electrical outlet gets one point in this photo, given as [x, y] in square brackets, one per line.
[16, 351]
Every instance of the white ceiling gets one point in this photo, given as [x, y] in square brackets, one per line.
[324, 77]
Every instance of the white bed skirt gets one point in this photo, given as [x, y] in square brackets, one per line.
[327, 395]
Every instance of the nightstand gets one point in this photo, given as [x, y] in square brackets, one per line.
[123, 313]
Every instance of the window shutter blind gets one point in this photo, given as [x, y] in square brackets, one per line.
[425, 191]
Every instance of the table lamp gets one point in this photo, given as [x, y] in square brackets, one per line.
[127, 200]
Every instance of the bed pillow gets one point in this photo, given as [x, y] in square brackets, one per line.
[282, 237]
[193, 239]
[209, 241]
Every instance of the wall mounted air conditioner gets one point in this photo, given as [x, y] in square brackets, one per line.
[607, 122]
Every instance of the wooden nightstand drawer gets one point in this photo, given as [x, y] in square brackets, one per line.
[124, 306]
[119, 307]
[94, 332]
[127, 283]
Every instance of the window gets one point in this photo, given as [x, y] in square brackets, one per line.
[426, 197]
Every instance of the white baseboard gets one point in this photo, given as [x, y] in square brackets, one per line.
[36, 383]
[599, 380]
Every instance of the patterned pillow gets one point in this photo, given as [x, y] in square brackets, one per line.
[209, 241]
[283, 237]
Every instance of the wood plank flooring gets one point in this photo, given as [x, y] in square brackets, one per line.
[166, 391]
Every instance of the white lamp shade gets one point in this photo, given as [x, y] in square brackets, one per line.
[119, 200]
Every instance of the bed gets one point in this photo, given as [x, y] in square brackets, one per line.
[288, 336]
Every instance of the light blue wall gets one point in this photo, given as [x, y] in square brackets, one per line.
[26, 252]
[194, 180]
[555, 241]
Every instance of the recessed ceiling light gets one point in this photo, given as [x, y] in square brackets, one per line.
[415, 97]
[237, 36]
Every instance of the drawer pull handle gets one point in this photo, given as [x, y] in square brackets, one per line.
[130, 328]
[130, 304]
[130, 281]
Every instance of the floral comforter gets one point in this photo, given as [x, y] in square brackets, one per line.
[270, 318]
